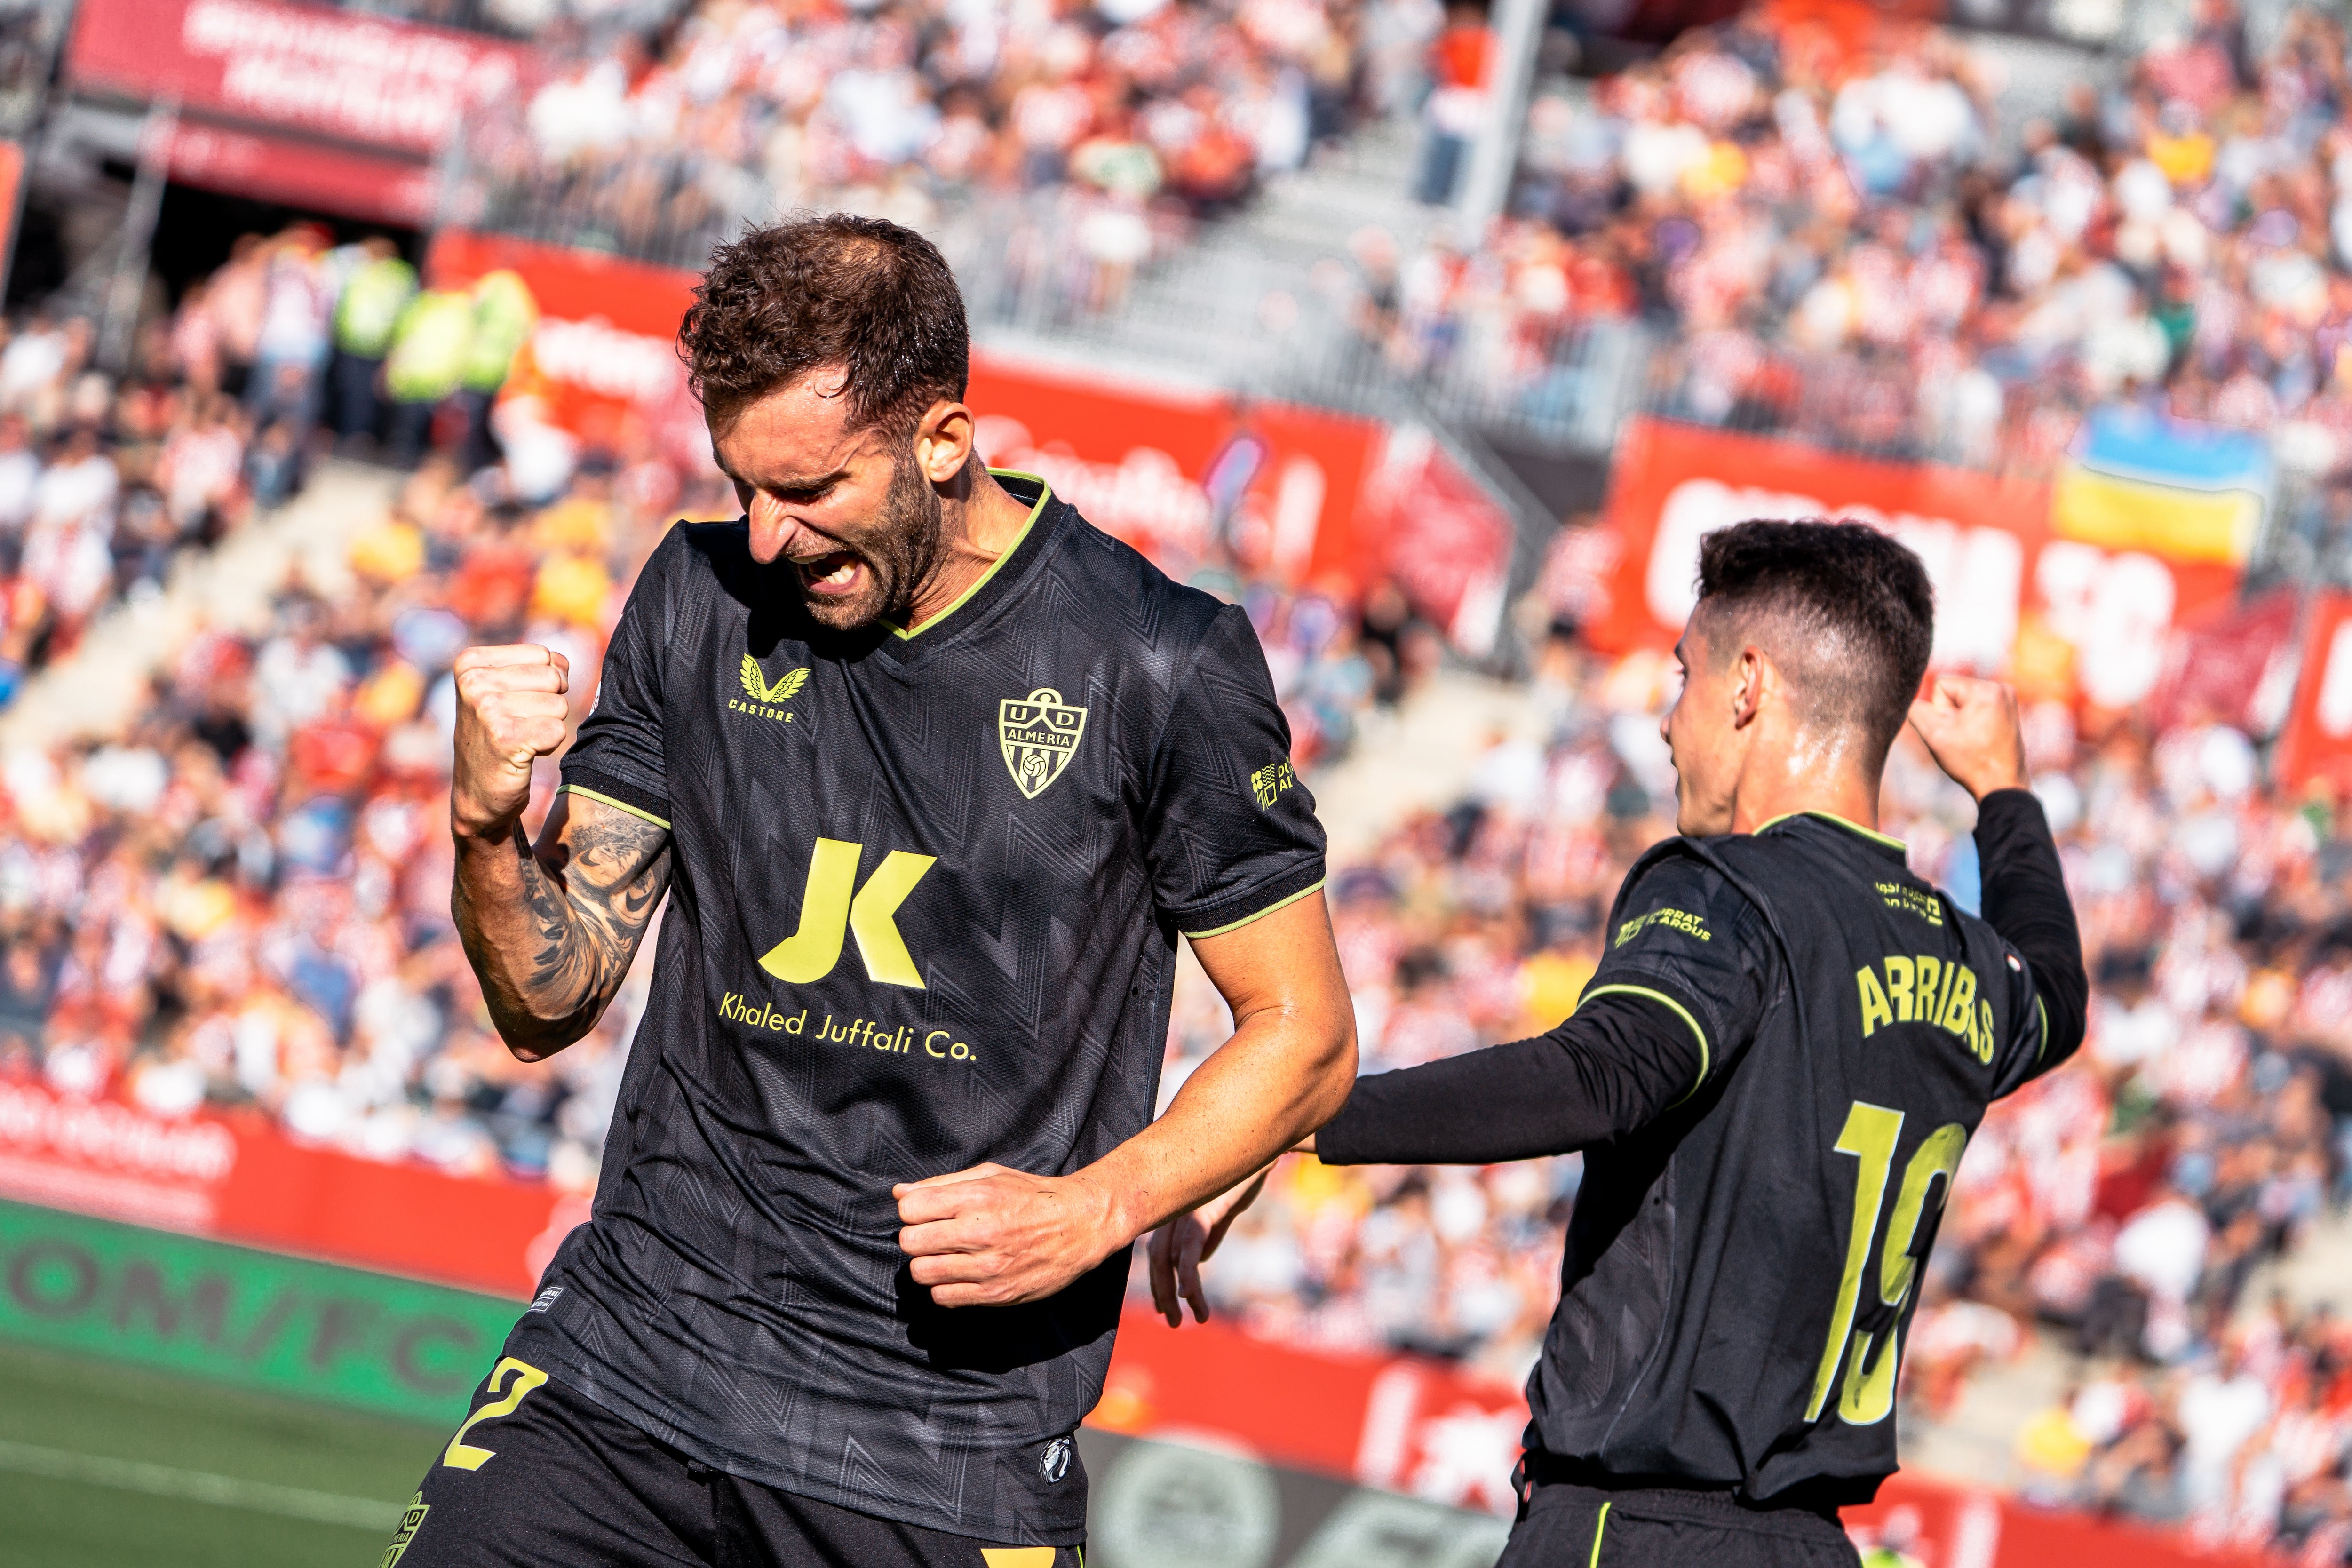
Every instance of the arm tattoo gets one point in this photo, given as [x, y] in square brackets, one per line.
[552, 959]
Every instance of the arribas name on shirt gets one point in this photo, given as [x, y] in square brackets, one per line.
[1925, 989]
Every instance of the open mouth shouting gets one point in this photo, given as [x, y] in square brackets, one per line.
[836, 574]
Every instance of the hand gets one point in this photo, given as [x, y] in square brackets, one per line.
[1179, 1247]
[510, 711]
[991, 1237]
[1972, 731]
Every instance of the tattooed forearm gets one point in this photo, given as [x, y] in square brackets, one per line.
[550, 930]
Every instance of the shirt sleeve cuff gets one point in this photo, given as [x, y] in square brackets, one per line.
[635, 799]
[1233, 914]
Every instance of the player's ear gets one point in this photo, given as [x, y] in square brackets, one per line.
[1747, 687]
[944, 440]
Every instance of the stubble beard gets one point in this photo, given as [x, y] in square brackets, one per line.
[900, 552]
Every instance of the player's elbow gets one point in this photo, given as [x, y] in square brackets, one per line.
[1331, 1062]
[529, 1037]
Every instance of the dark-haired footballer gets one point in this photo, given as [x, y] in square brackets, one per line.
[1772, 1074]
[932, 774]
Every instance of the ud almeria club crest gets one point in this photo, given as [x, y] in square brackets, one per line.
[1040, 734]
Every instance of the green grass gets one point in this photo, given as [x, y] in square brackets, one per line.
[102, 1467]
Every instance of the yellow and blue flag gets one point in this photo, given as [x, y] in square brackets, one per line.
[2136, 480]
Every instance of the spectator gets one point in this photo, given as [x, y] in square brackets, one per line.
[378, 289]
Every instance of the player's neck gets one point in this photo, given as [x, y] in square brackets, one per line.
[977, 526]
[1784, 781]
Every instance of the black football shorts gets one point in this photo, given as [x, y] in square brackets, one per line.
[1569, 1526]
[540, 1476]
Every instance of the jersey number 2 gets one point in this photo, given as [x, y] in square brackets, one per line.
[464, 1456]
[1869, 1135]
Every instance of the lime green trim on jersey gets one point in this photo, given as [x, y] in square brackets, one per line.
[1870, 833]
[1679, 1011]
[1045, 494]
[1247, 920]
[635, 810]
[1598, 1525]
[2043, 1044]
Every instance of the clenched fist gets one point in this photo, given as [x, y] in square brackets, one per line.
[510, 711]
[1971, 730]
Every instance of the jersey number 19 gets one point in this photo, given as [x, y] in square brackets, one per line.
[1870, 1136]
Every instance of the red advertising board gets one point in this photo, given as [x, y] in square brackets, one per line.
[1160, 467]
[244, 1181]
[2012, 598]
[1429, 1430]
[312, 68]
[2317, 746]
[12, 189]
[302, 173]
[1165, 468]
[1400, 1424]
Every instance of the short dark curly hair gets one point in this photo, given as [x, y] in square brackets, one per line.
[1846, 613]
[816, 291]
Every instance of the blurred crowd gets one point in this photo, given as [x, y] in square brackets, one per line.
[245, 900]
[2120, 1207]
[1832, 234]
[1138, 115]
[106, 477]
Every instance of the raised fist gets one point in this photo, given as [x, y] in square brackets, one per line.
[1972, 731]
[510, 711]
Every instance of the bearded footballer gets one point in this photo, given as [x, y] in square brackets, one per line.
[932, 774]
[1772, 1076]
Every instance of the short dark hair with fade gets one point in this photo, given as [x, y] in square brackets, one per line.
[1845, 612]
[816, 291]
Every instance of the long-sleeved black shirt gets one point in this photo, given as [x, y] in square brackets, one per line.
[1774, 1073]
[1624, 1057]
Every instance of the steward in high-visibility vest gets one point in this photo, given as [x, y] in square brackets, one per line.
[430, 347]
[376, 291]
[504, 314]
[365, 317]
[427, 363]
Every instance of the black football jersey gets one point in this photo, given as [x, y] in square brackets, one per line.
[926, 899]
[1739, 1273]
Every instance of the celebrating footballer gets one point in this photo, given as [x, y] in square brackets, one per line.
[1772, 1075]
[931, 773]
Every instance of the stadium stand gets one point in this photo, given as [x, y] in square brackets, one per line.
[1126, 121]
[1837, 240]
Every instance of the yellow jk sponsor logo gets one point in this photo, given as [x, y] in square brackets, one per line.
[832, 905]
[1040, 734]
[1268, 783]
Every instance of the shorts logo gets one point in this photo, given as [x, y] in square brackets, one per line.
[412, 1520]
[1040, 734]
[1054, 1462]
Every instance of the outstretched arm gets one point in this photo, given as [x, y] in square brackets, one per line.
[1612, 1066]
[990, 1236]
[1609, 1069]
[550, 929]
